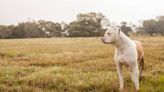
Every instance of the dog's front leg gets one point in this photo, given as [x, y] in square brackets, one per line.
[120, 75]
[135, 76]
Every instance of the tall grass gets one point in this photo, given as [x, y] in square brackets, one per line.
[74, 65]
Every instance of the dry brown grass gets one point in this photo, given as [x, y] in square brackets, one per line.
[73, 65]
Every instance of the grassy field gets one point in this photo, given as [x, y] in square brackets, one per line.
[74, 65]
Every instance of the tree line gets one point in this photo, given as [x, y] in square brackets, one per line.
[153, 26]
[85, 25]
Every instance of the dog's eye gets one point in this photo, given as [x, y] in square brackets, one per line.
[109, 33]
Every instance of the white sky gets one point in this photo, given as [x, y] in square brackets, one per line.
[14, 11]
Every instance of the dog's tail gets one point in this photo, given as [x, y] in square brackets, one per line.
[142, 65]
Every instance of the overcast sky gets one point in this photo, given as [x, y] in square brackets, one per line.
[14, 11]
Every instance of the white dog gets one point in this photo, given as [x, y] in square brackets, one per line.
[127, 52]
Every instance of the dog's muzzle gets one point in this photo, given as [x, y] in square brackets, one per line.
[103, 40]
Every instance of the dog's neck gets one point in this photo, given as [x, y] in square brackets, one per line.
[121, 41]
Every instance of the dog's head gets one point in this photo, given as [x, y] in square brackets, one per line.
[111, 35]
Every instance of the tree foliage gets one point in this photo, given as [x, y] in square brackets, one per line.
[154, 26]
[31, 29]
[86, 25]
[5, 32]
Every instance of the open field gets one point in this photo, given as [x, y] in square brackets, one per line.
[73, 65]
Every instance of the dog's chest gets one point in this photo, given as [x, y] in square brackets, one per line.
[123, 56]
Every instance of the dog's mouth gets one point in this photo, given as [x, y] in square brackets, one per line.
[104, 41]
